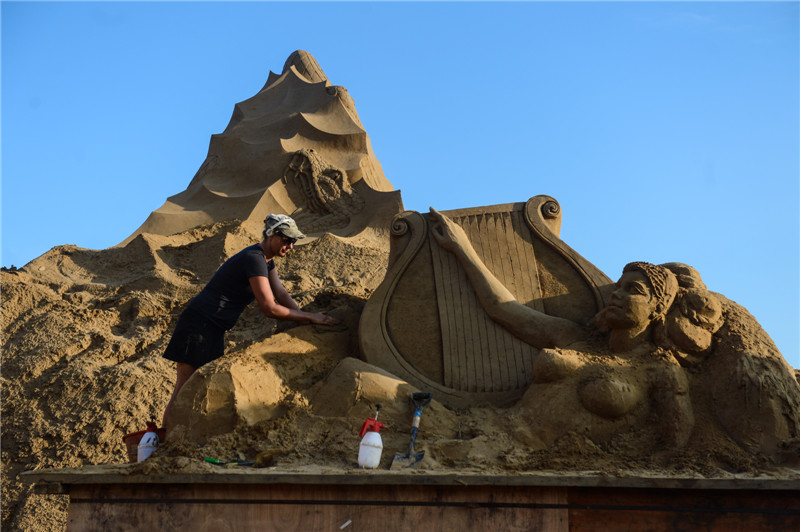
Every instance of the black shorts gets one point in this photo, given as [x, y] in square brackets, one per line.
[196, 340]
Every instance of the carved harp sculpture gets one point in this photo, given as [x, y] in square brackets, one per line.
[425, 324]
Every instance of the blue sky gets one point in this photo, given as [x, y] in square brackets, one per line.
[667, 131]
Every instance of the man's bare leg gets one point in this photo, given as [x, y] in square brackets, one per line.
[184, 371]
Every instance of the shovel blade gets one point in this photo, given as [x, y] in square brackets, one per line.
[402, 461]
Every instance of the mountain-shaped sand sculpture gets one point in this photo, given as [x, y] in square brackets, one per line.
[297, 147]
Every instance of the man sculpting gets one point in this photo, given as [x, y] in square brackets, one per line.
[249, 275]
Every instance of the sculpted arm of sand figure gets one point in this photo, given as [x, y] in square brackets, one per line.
[531, 326]
[284, 308]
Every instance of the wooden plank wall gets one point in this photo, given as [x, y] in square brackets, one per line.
[381, 508]
[667, 510]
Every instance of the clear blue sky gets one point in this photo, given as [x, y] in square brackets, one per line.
[667, 131]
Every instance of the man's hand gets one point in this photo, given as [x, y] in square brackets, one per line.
[320, 318]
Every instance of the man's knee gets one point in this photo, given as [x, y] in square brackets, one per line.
[184, 371]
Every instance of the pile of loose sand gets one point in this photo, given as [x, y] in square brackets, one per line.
[83, 332]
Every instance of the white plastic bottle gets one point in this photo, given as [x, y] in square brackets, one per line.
[148, 443]
[369, 452]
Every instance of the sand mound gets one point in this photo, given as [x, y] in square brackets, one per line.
[83, 332]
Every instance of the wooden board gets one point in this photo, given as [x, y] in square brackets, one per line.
[305, 508]
[116, 497]
[667, 510]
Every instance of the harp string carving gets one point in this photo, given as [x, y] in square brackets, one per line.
[478, 355]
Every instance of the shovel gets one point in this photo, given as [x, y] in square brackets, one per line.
[401, 461]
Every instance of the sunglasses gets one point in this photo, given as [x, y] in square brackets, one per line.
[287, 240]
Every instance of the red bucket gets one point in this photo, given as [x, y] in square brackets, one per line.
[132, 440]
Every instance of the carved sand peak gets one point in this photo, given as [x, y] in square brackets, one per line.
[303, 65]
[306, 65]
[296, 114]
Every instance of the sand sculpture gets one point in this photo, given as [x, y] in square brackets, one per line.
[637, 357]
[296, 147]
[705, 392]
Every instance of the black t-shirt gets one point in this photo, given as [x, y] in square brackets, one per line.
[228, 292]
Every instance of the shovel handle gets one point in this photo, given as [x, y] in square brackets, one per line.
[414, 430]
[413, 439]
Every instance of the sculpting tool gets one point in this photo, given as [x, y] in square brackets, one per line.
[419, 400]
[217, 461]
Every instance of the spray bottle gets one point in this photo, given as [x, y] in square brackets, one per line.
[369, 452]
[148, 443]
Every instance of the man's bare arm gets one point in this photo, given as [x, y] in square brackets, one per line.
[273, 309]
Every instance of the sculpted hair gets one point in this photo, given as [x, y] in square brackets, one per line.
[662, 281]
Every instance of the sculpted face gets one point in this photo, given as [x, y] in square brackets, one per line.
[632, 303]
